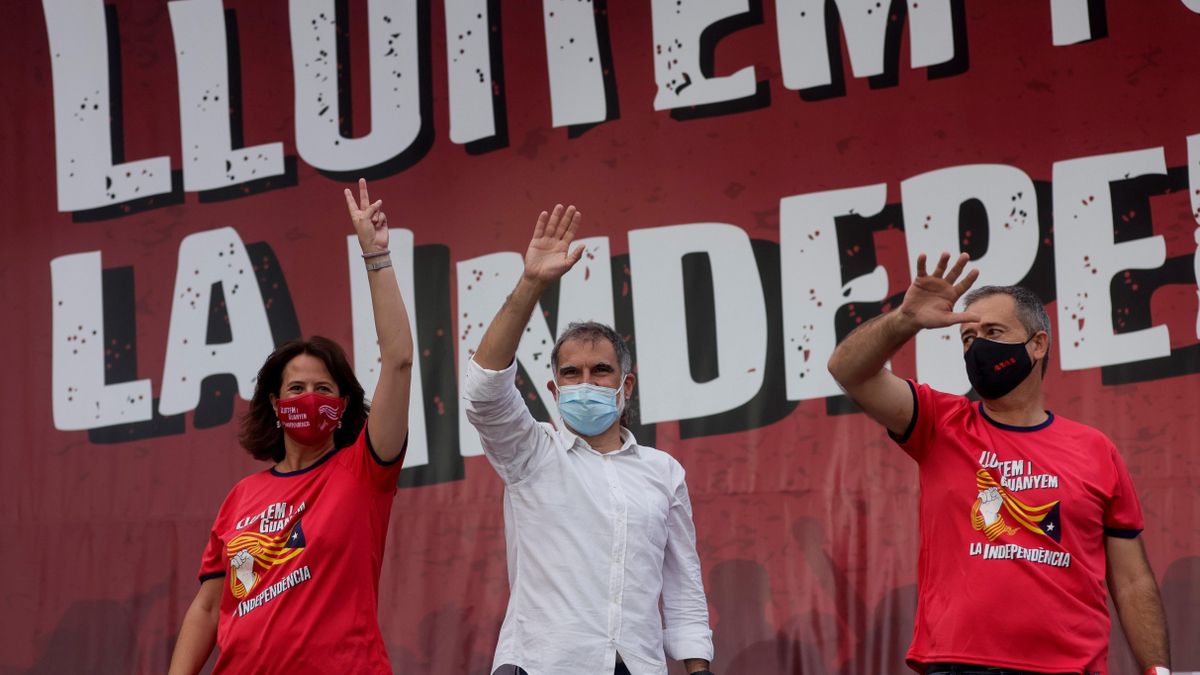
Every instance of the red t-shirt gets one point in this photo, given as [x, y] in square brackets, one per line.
[301, 553]
[1013, 521]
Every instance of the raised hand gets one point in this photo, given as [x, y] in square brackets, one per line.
[370, 222]
[549, 255]
[929, 302]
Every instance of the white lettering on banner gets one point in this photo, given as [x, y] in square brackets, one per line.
[469, 71]
[811, 278]
[202, 62]
[394, 81]
[90, 176]
[677, 30]
[81, 399]
[667, 390]
[573, 55]
[804, 46]
[1070, 22]
[1193, 165]
[931, 203]
[206, 259]
[366, 342]
[930, 33]
[483, 285]
[1087, 257]
[87, 175]
[585, 293]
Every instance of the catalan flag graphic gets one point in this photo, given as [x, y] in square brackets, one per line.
[1042, 519]
[266, 551]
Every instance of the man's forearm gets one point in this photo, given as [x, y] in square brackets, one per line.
[695, 665]
[499, 344]
[1140, 610]
[867, 349]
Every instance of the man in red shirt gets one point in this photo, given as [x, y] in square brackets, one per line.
[1023, 514]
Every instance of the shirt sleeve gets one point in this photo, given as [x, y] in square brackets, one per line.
[686, 634]
[512, 439]
[915, 439]
[361, 459]
[1123, 512]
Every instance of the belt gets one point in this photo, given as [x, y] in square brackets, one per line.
[967, 668]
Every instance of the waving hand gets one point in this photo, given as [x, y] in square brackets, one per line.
[549, 255]
[929, 302]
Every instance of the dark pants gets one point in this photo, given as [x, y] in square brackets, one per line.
[969, 669]
[515, 670]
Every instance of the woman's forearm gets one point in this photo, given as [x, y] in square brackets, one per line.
[196, 640]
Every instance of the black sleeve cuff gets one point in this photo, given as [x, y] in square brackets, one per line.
[378, 460]
[211, 575]
[1120, 533]
[912, 423]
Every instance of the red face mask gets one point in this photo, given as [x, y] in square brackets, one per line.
[309, 418]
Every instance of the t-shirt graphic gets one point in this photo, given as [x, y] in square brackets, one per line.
[251, 554]
[996, 507]
[280, 541]
[1027, 508]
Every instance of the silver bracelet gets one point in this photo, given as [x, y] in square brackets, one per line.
[375, 254]
[372, 266]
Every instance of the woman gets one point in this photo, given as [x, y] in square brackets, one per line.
[290, 577]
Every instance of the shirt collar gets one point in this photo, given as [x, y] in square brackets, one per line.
[572, 442]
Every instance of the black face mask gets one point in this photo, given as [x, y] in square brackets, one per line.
[996, 368]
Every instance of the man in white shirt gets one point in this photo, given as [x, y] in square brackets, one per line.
[598, 528]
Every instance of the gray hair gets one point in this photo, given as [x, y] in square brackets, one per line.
[1030, 310]
[593, 331]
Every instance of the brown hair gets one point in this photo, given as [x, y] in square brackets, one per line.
[594, 331]
[260, 434]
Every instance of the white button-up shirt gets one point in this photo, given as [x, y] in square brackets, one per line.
[594, 542]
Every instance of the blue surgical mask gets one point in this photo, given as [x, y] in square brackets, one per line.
[589, 409]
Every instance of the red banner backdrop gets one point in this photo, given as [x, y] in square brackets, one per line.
[733, 123]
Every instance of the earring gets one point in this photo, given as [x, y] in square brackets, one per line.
[339, 424]
[276, 424]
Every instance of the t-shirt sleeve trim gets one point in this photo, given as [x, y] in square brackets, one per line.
[377, 458]
[1121, 533]
[912, 423]
[211, 575]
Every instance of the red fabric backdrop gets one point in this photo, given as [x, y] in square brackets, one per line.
[807, 524]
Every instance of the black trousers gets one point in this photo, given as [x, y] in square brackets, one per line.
[517, 670]
[971, 669]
